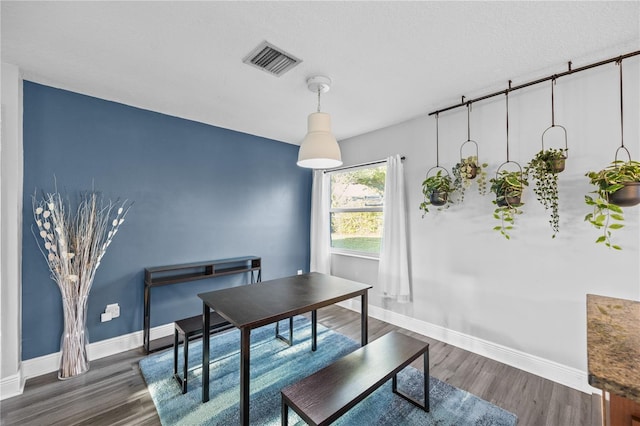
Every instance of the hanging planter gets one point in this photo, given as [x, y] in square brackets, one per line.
[544, 169]
[508, 187]
[468, 168]
[437, 187]
[629, 194]
[617, 186]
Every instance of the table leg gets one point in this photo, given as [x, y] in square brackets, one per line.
[364, 331]
[425, 360]
[314, 330]
[206, 322]
[245, 339]
[284, 413]
[147, 318]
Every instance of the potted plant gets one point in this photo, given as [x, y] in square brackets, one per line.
[436, 190]
[617, 186]
[467, 170]
[544, 169]
[508, 187]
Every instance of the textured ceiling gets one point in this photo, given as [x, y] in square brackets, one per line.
[389, 61]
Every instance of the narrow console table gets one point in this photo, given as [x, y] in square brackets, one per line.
[175, 274]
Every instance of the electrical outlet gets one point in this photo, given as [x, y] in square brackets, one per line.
[113, 309]
[299, 271]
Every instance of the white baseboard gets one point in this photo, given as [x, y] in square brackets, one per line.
[11, 386]
[49, 363]
[548, 369]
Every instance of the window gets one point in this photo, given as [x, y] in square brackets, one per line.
[356, 213]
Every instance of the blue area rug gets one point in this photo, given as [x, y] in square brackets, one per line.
[274, 365]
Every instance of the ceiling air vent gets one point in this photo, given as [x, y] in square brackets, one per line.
[269, 58]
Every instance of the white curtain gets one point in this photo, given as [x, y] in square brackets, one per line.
[393, 269]
[320, 227]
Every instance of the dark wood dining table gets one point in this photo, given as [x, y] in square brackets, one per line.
[252, 306]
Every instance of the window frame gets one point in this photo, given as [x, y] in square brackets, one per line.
[370, 209]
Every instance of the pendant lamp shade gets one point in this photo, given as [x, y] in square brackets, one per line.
[319, 149]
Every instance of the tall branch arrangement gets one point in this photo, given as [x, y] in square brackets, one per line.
[73, 246]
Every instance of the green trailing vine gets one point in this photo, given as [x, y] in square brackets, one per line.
[508, 187]
[607, 215]
[465, 172]
[436, 190]
[544, 169]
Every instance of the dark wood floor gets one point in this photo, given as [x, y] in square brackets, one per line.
[113, 392]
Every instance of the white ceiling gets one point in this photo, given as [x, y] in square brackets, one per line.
[389, 61]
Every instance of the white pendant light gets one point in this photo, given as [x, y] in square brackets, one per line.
[319, 149]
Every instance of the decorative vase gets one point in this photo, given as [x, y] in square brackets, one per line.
[73, 343]
[627, 196]
[438, 198]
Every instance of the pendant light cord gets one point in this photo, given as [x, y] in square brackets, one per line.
[319, 98]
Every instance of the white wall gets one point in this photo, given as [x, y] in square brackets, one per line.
[528, 294]
[11, 236]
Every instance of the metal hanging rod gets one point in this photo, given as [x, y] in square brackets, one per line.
[370, 163]
[540, 80]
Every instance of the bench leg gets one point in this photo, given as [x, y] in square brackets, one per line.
[425, 404]
[427, 374]
[186, 363]
[175, 352]
[182, 381]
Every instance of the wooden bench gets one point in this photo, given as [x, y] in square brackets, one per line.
[323, 397]
[191, 328]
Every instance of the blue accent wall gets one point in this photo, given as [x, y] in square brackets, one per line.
[200, 192]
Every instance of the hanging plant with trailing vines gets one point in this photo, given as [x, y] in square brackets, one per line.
[508, 188]
[436, 190]
[617, 185]
[606, 214]
[543, 170]
[465, 173]
[438, 187]
[468, 168]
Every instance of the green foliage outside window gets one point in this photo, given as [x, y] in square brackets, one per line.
[356, 223]
[356, 202]
[372, 181]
